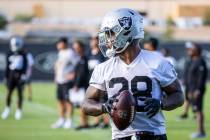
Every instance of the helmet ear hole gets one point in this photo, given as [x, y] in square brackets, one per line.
[131, 12]
[129, 39]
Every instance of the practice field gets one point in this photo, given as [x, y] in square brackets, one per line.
[42, 112]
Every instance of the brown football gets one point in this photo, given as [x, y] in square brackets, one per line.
[124, 110]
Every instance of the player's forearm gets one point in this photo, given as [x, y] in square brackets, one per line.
[173, 101]
[92, 108]
[174, 96]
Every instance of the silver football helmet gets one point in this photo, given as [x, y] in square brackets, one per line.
[16, 44]
[118, 29]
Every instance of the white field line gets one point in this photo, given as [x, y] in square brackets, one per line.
[37, 107]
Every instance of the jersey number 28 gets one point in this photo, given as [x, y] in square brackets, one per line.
[134, 85]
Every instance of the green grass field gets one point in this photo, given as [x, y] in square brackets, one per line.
[42, 112]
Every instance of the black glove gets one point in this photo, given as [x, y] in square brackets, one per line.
[152, 106]
[107, 107]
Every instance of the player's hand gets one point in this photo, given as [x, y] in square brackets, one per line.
[152, 106]
[23, 77]
[107, 107]
[75, 88]
[70, 76]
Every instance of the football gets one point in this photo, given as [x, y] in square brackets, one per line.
[124, 110]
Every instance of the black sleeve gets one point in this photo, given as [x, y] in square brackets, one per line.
[202, 75]
[80, 72]
[7, 70]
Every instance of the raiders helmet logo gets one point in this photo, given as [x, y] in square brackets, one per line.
[125, 22]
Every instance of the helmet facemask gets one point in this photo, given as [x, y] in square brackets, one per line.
[113, 41]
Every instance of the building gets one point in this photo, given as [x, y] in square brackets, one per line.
[72, 14]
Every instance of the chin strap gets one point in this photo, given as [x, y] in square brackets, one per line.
[126, 45]
[111, 52]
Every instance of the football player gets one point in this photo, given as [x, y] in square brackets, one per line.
[29, 71]
[196, 78]
[81, 80]
[64, 78]
[145, 74]
[151, 44]
[15, 75]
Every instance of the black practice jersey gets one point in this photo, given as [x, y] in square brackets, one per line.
[197, 74]
[16, 63]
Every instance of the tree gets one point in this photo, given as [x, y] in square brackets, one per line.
[206, 18]
[23, 18]
[3, 22]
[170, 21]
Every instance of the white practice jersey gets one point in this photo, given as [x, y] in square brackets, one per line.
[66, 63]
[30, 59]
[143, 78]
[171, 60]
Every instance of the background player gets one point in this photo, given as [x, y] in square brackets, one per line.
[15, 75]
[142, 72]
[187, 64]
[29, 74]
[196, 83]
[64, 78]
[151, 44]
[81, 79]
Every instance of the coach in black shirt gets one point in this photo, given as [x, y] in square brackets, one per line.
[82, 72]
[187, 65]
[196, 82]
[81, 78]
[95, 56]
